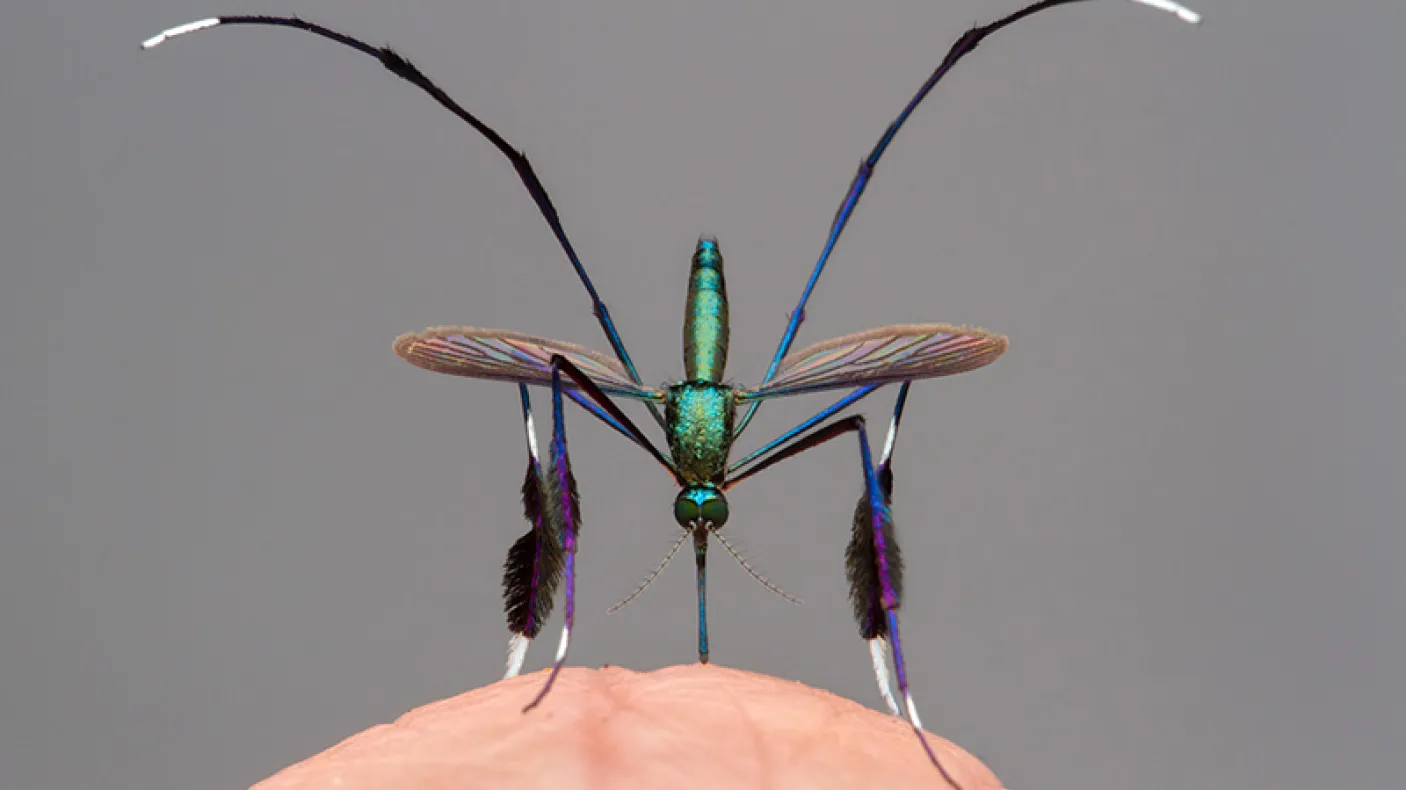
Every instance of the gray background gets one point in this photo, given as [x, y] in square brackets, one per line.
[1154, 546]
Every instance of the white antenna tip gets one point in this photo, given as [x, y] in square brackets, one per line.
[179, 30]
[1183, 13]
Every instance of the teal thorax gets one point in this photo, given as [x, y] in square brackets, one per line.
[699, 410]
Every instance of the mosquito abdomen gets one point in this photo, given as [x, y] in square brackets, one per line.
[705, 329]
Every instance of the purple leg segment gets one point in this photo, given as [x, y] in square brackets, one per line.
[873, 562]
[564, 511]
[533, 567]
[881, 528]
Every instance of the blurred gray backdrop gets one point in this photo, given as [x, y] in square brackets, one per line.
[1154, 546]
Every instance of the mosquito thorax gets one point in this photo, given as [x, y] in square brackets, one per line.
[700, 506]
[698, 416]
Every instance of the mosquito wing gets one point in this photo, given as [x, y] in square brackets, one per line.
[903, 352]
[502, 355]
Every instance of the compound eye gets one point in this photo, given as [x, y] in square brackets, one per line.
[685, 511]
[715, 511]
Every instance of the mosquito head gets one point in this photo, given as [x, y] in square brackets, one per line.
[700, 506]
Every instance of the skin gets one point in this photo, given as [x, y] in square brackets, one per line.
[684, 727]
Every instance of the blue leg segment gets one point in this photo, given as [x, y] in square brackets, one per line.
[881, 526]
[407, 71]
[819, 417]
[565, 513]
[959, 49]
[862, 559]
[533, 567]
[563, 503]
[584, 401]
[886, 460]
[881, 580]
[603, 407]
[535, 562]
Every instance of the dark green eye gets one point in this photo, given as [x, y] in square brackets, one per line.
[685, 510]
[715, 511]
[700, 506]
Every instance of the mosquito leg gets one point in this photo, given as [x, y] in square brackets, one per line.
[619, 421]
[407, 71]
[533, 568]
[874, 517]
[517, 654]
[563, 503]
[872, 560]
[817, 418]
[585, 402]
[963, 45]
[860, 563]
[564, 513]
[886, 460]
[879, 653]
[799, 445]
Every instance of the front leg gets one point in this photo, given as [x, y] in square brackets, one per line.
[874, 522]
[562, 503]
[532, 571]
[874, 553]
[866, 589]
[563, 513]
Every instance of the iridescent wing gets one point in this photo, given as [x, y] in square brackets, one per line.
[903, 352]
[502, 355]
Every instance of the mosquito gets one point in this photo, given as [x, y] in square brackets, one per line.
[699, 415]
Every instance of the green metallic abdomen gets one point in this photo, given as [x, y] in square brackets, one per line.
[705, 328]
[699, 415]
